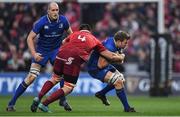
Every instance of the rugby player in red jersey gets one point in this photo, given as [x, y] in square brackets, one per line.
[75, 50]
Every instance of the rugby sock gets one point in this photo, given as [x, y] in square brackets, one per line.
[19, 91]
[46, 87]
[53, 97]
[106, 89]
[63, 98]
[122, 96]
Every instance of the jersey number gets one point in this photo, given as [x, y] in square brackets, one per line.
[82, 38]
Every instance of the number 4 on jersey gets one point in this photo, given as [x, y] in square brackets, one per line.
[82, 38]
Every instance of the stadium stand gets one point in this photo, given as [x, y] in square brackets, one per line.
[17, 19]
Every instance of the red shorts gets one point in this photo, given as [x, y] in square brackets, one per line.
[68, 63]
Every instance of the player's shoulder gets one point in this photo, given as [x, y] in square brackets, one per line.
[42, 20]
[109, 43]
[62, 18]
[108, 40]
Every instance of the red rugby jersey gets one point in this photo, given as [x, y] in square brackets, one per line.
[83, 42]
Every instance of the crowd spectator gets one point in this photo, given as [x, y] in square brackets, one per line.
[139, 19]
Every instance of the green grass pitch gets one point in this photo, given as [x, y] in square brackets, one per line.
[91, 106]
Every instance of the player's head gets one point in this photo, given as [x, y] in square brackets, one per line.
[121, 38]
[53, 10]
[85, 27]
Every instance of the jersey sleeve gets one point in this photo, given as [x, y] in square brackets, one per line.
[109, 47]
[66, 23]
[99, 46]
[37, 26]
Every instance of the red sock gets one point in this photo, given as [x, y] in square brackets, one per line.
[53, 97]
[46, 87]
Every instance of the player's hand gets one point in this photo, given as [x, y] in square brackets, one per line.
[38, 57]
[123, 57]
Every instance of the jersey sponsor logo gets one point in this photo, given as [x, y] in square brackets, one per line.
[69, 60]
[60, 25]
[53, 33]
[46, 27]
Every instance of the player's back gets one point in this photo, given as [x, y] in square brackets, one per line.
[82, 42]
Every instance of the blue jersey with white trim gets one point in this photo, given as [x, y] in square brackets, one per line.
[110, 45]
[50, 32]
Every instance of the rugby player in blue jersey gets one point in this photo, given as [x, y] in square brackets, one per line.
[48, 31]
[103, 70]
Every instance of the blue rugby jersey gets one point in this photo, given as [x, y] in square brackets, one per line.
[50, 32]
[110, 45]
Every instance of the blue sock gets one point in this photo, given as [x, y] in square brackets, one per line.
[122, 96]
[19, 91]
[106, 89]
[62, 98]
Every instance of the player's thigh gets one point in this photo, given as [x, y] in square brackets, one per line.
[52, 56]
[98, 74]
[58, 67]
[72, 69]
[108, 76]
[70, 75]
[36, 66]
[101, 74]
[43, 62]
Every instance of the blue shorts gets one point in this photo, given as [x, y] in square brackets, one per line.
[47, 56]
[101, 73]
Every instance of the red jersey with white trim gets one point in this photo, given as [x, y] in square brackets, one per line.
[82, 43]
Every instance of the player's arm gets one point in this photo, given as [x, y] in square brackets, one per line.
[66, 39]
[67, 26]
[30, 42]
[31, 46]
[112, 57]
[120, 54]
[69, 31]
[102, 62]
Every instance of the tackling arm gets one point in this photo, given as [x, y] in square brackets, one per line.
[113, 57]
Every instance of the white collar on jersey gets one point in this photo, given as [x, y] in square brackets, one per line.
[85, 31]
[50, 20]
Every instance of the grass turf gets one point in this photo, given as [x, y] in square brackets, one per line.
[90, 106]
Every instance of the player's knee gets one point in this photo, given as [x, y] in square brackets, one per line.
[118, 84]
[29, 79]
[33, 74]
[68, 88]
[55, 78]
[117, 79]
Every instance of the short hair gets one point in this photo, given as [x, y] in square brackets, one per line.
[85, 27]
[49, 4]
[121, 35]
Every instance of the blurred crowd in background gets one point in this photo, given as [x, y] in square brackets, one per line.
[139, 19]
